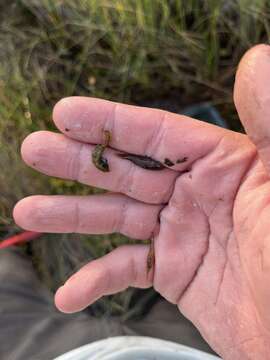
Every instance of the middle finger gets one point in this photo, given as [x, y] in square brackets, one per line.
[95, 214]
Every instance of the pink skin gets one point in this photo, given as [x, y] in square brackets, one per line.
[212, 245]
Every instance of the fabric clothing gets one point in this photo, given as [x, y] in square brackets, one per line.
[32, 328]
[135, 348]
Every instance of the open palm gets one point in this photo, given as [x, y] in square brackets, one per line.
[209, 213]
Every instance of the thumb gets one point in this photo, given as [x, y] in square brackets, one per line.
[252, 98]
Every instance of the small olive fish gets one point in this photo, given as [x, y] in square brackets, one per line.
[168, 162]
[150, 256]
[98, 160]
[142, 161]
[180, 161]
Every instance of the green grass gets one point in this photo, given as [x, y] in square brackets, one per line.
[123, 50]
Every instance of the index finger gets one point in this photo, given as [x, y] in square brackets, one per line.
[138, 130]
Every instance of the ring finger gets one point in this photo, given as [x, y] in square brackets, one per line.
[96, 214]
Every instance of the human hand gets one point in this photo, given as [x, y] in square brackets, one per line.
[209, 214]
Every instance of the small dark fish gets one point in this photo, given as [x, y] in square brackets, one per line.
[180, 161]
[142, 161]
[150, 257]
[168, 162]
[98, 159]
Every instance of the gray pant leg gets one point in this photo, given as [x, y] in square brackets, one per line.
[164, 321]
[31, 328]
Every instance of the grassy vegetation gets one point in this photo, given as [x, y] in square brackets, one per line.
[124, 50]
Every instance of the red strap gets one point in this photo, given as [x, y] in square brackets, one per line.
[19, 239]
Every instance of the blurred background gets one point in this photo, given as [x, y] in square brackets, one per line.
[159, 53]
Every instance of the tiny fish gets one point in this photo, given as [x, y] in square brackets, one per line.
[151, 256]
[180, 161]
[142, 161]
[98, 159]
[168, 162]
